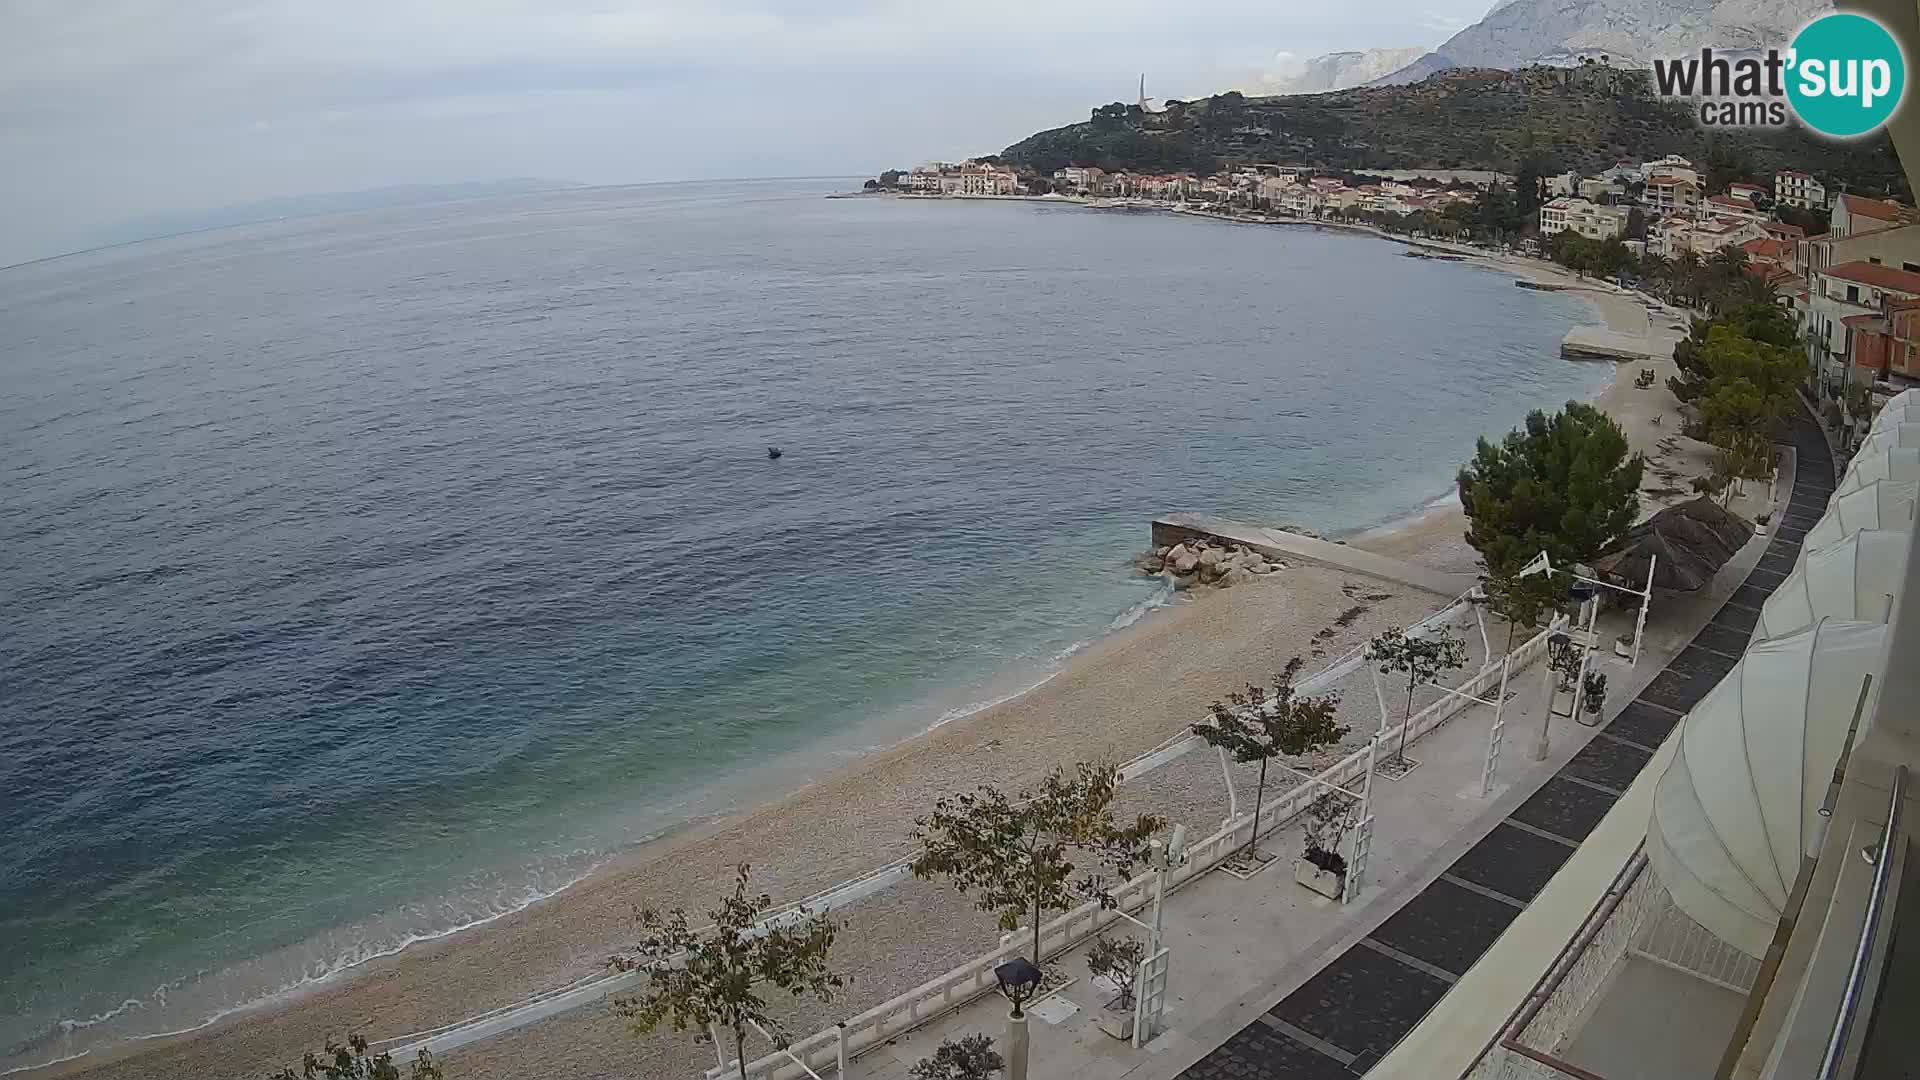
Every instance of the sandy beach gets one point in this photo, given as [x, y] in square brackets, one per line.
[1120, 697]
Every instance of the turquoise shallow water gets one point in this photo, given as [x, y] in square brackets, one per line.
[375, 575]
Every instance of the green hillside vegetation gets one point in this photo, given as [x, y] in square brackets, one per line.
[1581, 118]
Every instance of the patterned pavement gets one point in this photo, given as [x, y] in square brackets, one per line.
[1351, 1013]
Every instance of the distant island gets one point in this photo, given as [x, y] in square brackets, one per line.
[152, 226]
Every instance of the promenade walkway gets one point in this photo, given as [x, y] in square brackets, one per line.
[1269, 981]
[1350, 1013]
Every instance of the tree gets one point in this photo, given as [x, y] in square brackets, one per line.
[1014, 858]
[1518, 600]
[701, 980]
[350, 1062]
[1420, 659]
[970, 1057]
[1564, 484]
[1636, 224]
[1258, 727]
[1118, 962]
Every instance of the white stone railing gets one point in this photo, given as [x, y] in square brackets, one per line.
[830, 1047]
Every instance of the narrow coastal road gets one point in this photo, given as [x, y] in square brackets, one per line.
[1343, 1020]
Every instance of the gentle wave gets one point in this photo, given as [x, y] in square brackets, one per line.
[311, 976]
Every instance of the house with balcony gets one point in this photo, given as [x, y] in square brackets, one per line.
[1839, 293]
[1886, 345]
[1792, 187]
[1729, 208]
[1592, 221]
[1666, 195]
[1078, 177]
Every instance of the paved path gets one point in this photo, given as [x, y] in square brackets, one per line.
[1279, 544]
[1343, 1019]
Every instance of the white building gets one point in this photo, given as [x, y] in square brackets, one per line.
[1585, 218]
[1671, 167]
[1794, 188]
[1078, 177]
[1671, 195]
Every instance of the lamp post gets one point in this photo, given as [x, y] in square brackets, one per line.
[1018, 979]
[1557, 641]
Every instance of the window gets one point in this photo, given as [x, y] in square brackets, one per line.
[1874, 259]
[1853, 293]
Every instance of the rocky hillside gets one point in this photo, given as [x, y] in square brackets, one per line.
[1559, 118]
[1630, 32]
[1334, 71]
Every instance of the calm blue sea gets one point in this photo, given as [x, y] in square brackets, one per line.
[369, 576]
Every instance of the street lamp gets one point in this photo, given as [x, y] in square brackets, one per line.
[1019, 978]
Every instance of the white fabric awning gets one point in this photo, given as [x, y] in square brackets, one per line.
[1896, 409]
[1855, 580]
[1882, 504]
[1889, 437]
[1738, 804]
[1896, 463]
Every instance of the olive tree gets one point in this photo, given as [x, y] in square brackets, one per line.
[1258, 726]
[702, 980]
[1422, 659]
[1015, 856]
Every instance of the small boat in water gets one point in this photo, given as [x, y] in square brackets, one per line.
[774, 452]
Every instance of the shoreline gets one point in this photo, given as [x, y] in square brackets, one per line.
[455, 966]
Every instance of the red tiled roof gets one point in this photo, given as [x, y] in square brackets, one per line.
[1796, 173]
[1765, 247]
[1876, 275]
[1858, 321]
[1785, 229]
[1877, 209]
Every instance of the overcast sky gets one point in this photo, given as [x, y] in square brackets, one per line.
[114, 109]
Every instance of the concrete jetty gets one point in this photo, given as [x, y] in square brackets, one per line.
[1600, 343]
[1292, 547]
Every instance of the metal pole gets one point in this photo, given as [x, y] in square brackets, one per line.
[840, 1048]
[1495, 733]
[1233, 798]
[1586, 660]
[1646, 598]
[1380, 697]
[1546, 715]
[718, 1054]
[1863, 951]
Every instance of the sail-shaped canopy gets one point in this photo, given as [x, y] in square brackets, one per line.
[1739, 803]
[1855, 580]
[1895, 463]
[1890, 436]
[1895, 411]
[1882, 504]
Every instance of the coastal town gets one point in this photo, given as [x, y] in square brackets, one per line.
[1847, 266]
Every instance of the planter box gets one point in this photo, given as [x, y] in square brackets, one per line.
[1117, 1019]
[1328, 883]
[1623, 650]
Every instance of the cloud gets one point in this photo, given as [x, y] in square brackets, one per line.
[111, 108]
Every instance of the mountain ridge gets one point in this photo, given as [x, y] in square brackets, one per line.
[1630, 33]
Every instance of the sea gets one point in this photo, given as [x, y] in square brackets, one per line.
[367, 577]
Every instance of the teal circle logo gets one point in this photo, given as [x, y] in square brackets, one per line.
[1846, 75]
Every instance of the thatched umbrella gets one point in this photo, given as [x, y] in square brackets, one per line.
[1692, 541]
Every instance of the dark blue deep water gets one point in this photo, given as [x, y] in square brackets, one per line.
[367, 576]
